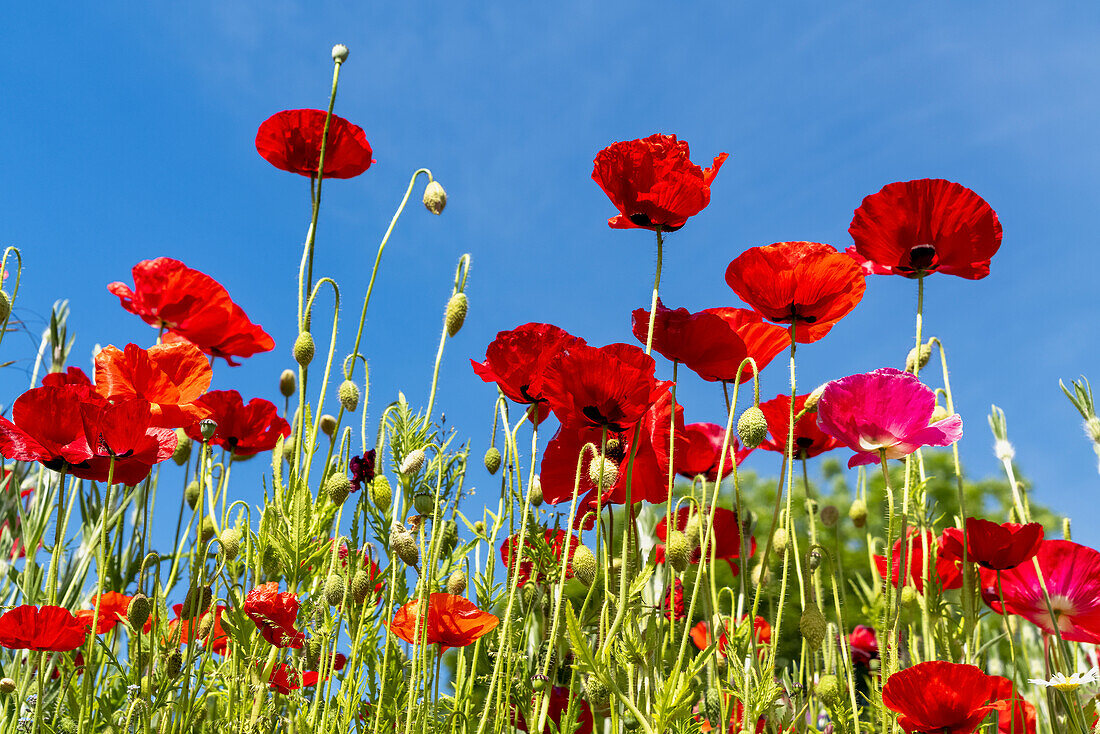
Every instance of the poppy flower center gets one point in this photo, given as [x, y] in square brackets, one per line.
[921, 256]
[592, 413]
[523, 390]
[804, 442]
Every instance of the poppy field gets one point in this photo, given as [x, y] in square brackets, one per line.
[619, 573]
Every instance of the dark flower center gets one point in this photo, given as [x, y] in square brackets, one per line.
[523, 390]
[921, 257]
[592, 413]
[803, 442]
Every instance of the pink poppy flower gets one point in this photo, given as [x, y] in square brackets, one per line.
[886, 410]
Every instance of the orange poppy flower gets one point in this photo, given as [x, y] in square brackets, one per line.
[452, 621]
[112, 610]
[169, 376]
[808, 284]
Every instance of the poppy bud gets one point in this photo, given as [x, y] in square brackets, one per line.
[535, 492]
[7, 685]
[304, 348]
[206, 531]
[208, 427]
[810, 406]
[5, 300]
[938, 414]
[829, 515]
[404, 545]
[1092, 428]
[721, 663]
[538, 682]
[908, 598]
[272, 567]
[913, 362]
[287, 383]
[435, 198]
[752, 427]
[360, 585]
[584, 565]
[760, 575]
[595, 691]
[231, 543]
[1065, 529]
[289, 449]
[829, 690]
[339, 53]
[693, 530]
[712, 705]
[327, 424]
[424, 503]
[182, 451]
[779, 540]
[413, 462]
[602, 470]
[812, 625]
[137, 611]
[205, 625]
[492, 460]
[349, 395]
[679, 551]
[815, 559]
[196, 602]
[334, 589]
[858, 513]
[479, 527]
[381, 494]
[338, 486]
[530, 594]
[630, 721]
[456, 312]
[173, 663]
[456, 583]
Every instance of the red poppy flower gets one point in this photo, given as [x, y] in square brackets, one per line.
[244, 430]
[763, 341]
[46, 427]
[122, 433]
[558, 706]
[285, 679]
[291, 140]
[946, 572]
[704, 342]
[608, 387]
[653, 182]
[993, 545]
[674, 602]
[192, 307]
[169, 376]
[809, 439]
[863, 644]
[700, 633]
[1014, 714]
[726, 536]
[737, 713]
[516, 359]
[274, 614]
[540, 560]
[804, 283]
[452, 621]
[701, 450]
[649, 480]
[914, 228]
[41, 628]
[217, 638]
[112, 610]
[942, 697]
[1072, 576]
[71, 376]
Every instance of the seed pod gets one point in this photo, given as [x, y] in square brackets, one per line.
[404, 545]
[137, 611]
[327, 424]
[334, 589]
[492, 460]
[381, 494]
[413, 462]
[349, 395]
[360, 585]
[829, 516]
[630, 721]
[456, 583]
[457, 307]
[813, 626]
[339, 53]
[608, 468]
[538, 682]
[338, 487]
[858, 513]
[192, 494]
[287, 383]
[173, 663]
[829, 690]
[435, 198]
[584, 565]
[304, 348]
[207, 531]
[752, 427]
[424, 503]
[679, 551]
[208, 427]
[815, 559]
[196, 602]
[231, 543]
[182, 452]
[535, 492]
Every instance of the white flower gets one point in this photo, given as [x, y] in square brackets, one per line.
[1062, 683]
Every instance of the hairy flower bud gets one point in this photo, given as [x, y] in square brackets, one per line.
[908, 598]
[207, 531]
[334, 589]
[479, 527]
[812, 625]
[752, 427]
[338, 487]
[381, 494]
[830, 515]
[492, 460]
[272, 567]
[938, 414]
[304, 348]
[779, 540]
[182, 452]
[456, 583]
[206, 623]
[712, 704]
[913, 362]
[858, 513]
[413, 462]
[339, 53]
[810, 406]
[327, 424]
[535, 491]
[595, 691]
[603, 471]
[231, 543]
[137, 611]
[760, 575]
[584, 565]
[5, 304]
[7, 685]
[173, 663]
[679, 551]
[829, 689]
[435, 198]
[693, 530]
[360, 586]
[208, 427]
[287, 383]
[349, 395]
[196, 602]
[457, 307]
[404, 545]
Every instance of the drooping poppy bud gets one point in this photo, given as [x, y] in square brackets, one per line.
[338, 487]
[349, 395]
[584, 565]
[287, 383]
[679, 551]
[404, 545]
[435, 198]
[183, 448]
[327, 424]
[457, 307]
[456, 583]
[413, 462]
[858, 513]
[138, 611]
[492, 460]
[304, 348]
[813, 626]
[752, 427]
[381, 494]
[334, 589]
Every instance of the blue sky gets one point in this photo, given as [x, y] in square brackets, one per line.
[129, 134]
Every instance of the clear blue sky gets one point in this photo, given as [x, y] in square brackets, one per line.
[129, 132]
